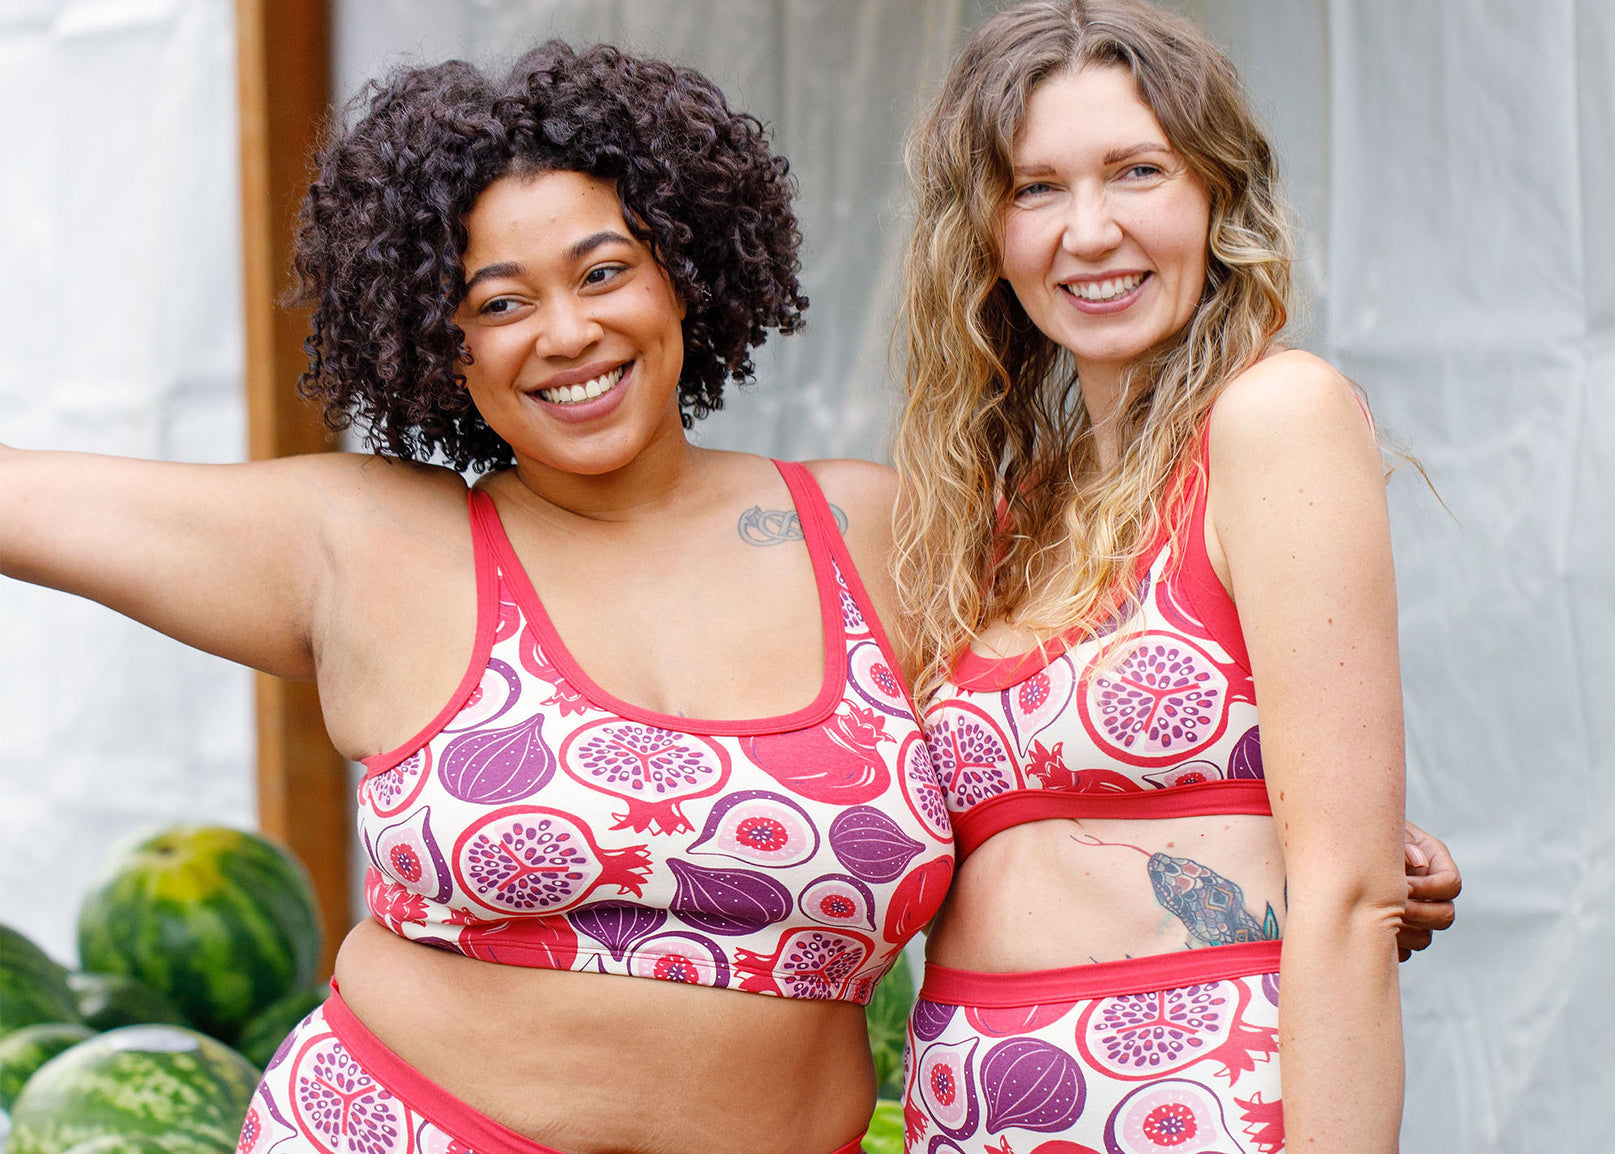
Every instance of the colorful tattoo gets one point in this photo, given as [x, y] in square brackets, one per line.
[1209, 905]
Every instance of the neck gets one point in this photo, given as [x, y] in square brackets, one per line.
[1102, 395]
[658, 476]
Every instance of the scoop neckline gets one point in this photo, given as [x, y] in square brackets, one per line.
[832, 683]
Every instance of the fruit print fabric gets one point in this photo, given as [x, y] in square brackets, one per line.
[1192, 1070]
[539, 821]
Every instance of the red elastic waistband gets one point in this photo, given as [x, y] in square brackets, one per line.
[1099, 980]
[975, 825]
[425, 1097]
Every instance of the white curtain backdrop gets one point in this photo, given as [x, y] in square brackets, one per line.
[1450, 167]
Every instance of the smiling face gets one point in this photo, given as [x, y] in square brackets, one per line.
[573, 328]
[1104, 234]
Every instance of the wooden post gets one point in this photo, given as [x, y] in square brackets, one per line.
[284, 69]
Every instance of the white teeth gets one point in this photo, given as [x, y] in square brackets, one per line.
[1105, 290]
[573, 394]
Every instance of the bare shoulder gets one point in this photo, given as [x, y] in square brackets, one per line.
[364, 495]
[1291, 402]
[864, 491]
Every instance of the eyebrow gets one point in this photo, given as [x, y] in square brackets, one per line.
[575, 252]
[1116, 156]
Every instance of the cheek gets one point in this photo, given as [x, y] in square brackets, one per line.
[1024, 259]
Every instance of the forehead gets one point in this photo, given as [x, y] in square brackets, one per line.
[1082, 114]
[540, 213]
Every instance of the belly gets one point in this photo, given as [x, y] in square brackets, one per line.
[1067, 892]
[600, 1064]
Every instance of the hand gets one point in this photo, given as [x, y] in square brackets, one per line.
[1433, 885]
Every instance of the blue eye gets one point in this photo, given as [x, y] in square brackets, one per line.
[1142, 170]
[1035, 188]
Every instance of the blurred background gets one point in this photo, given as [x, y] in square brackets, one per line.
[1452, 170]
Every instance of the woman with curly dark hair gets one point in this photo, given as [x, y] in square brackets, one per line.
[625, 707]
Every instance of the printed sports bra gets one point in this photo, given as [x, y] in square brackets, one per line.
[540, 821]
[1152, 717]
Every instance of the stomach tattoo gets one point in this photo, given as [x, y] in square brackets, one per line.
[1210, 906]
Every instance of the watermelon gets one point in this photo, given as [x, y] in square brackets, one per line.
[164, 1082]
[33, 987]
[219, 921]
[885, 1134]
[142, 1144]
[262, 1036]
[887, 1017]
[26, 1050]
[107, 1001]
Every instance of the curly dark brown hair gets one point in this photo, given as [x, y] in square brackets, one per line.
[381, 233]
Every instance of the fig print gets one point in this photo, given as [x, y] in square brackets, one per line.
[838, 900]
[490, 700]
[406, 852]
[1032, 706]
[945, 1085]
[495, 766]
[681, 957]
[1032, 1084]
[1174, 1116]
[727, 902]
[872, 677]
[871, 845]
[759, 828]
[391, 791]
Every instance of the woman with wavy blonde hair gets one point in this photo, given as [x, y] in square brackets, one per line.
[1130, 515]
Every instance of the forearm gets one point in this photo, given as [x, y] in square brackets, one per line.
[1340, 1025]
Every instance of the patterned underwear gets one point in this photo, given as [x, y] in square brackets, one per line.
[334, 1087]
[1175, 1054]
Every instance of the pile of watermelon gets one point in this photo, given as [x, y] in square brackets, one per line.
[198, 947]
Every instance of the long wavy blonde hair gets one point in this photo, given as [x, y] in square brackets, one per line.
[1005, 511]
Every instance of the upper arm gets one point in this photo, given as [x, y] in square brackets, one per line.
[1297, 509]
[234, 559]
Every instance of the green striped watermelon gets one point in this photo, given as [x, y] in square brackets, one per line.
[33, 988]
[141, 1144]
[26, 1050]
[262, 1036]
[107, 1001]
[219, 921]
[167, 1083]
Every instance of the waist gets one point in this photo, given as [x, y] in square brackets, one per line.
[1068, 892]
[588, 1061]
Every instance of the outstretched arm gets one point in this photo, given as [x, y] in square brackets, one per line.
[1298, 515]
[228, 558]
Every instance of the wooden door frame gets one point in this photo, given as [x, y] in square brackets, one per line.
[283, 52]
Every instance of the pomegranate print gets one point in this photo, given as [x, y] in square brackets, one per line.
[341, 1108]
[1032, 706]
[917, 899]
[1160, 701]
[1010, 1021]
[563, 694]
[1047, 767]
[1188, 773]
[652, 769]
[871, 676]
[921, 788]
[1175, 1116]
[530, 860]
[393, 790]
[1138, 1036]
[838, 762]
[970, 755]
[946, 1085]
[759, 828]
[806, 964]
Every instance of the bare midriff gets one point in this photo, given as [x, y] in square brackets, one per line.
[1068, 892]
[603, 1064]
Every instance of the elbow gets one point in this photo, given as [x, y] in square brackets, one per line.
[1363, 911]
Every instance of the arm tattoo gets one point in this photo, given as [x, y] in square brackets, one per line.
[1209, 905]
[760, 526]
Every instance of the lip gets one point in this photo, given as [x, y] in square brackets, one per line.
[585, 410]
[1104, 308]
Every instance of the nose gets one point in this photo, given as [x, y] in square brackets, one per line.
[1091, 229]
[567, 329]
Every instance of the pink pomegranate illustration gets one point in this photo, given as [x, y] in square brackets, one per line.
[971, 757]
[921, 789]
[1140, 1036]
[393, 790]
[838, 762]
[525, 859]
[1161, 700]
[805, 964]
[341, 1107]
[564, 695]
[651, 769]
